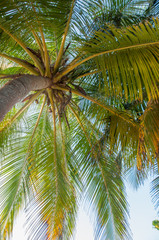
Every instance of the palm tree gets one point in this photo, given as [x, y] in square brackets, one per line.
[155, 223]
[79, 112]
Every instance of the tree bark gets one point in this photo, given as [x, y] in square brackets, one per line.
[15, 90]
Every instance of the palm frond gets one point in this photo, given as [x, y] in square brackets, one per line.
[153, 9]
[155, 191]
[34, 19]
[119, 13]
[45, 10]
[136, 177]
[123, 115]
[11, 70]
[15, 185]
[54, 189]
[100, 184]
[15, 176]
[127, 58]
[106, 193]
[150, 121]
[18, 41]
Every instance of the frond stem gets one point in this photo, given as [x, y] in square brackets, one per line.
[21, 62]
[44, 48]
[60, 53]
[32, 30]
[36, 125]
[46, 55]
[89, 73]
[80, 123]
[50, 94]
[37, 122]
[38, 40]
[108, 108]
[63, 142]
[71, 67]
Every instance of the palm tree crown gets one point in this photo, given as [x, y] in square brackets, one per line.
[79, 111]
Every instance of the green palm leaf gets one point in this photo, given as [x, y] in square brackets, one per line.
[123, 56]
[99, 182]
[55, 193]
[15, 182]
[96, 117]
[150, 120]
[106, 192]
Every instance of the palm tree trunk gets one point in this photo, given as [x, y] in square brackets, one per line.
[17, 89]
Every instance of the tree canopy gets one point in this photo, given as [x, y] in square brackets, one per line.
[79, 111]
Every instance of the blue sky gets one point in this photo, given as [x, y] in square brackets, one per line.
[142, 214]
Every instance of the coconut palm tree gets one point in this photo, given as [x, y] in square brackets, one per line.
[78, 110]
[155, 223]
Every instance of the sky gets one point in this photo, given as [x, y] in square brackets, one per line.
[142, 214]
